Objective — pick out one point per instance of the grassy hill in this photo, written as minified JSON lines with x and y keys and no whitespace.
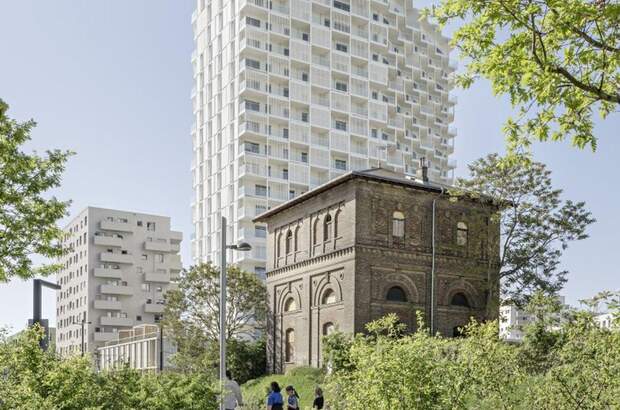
{"x":304,"y":379}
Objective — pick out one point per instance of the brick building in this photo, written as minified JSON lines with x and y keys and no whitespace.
{"x":363,"y":245}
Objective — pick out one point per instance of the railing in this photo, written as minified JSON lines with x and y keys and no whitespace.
{"x":340,"y":102}
{"x":359,"y":126}
{"x":339,"y":142}
{"x":255,"y":169}
{"x":320,"y":77}
{"x":299,"y":133}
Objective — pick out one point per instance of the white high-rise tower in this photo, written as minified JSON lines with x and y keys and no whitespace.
{"x":290,"y":94}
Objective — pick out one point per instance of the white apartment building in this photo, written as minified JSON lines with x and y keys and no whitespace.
{"x":137,"y":348}
{"x":605,"y":321}
{"x":116,"y":272}
{"x":290,"y":94}
{"x":512,"y":321}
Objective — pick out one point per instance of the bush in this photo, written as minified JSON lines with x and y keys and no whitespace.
{"x":33,"y":379}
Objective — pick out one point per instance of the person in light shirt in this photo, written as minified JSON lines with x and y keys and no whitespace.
{"x":232,"y":393}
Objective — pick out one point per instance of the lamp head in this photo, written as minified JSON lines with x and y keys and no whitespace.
{"x":243,"y":247}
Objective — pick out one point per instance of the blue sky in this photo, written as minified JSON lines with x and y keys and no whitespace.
{"x":111,"y":81}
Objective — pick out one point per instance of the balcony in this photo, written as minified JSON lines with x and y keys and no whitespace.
{"x":116,"y":257}
{"x":108,"y":241}
{"x":175,"y":262}
{"x":154,"y":308}
{"x":116,"y":290}
{"x":176,"y":236}
{"x":105,"y":336}
{"x":116,"y":226}
{"x":115,"y":321}
{"x":108,"y":273}
{"x":108,"y":305}
{"x":157,"y":246}
{"x":157,"y":277}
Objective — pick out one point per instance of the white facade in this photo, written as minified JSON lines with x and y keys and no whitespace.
{"x":605,"y":321}
{"x":138,"y":348}
{"x":290,"y":94}
{"x":114,"y":276}
{"x":512,"y":321}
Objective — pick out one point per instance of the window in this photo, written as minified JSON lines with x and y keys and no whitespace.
{"x":252,"y":105}
{"x":159,"y":257}
{"x":315,"y":232}
{"x":340,"y":164}
{"x":396,"y":294}
{"x":461,"y":234}
{"x":341,"y":125}
{"x":139,"y":318}
{"x":341,"y":47}
{"x":150,"y":226}
{"x":304,"y":157}
{"x":305,"y":36}
{"x":342,"y":6}
{"x":327,"y":227}
{"x":144,"y":257}
{"x":304,"y":117}
{"x":279,"y":246}
{"x":252,"y":21}
{"x":252,"y":63}
{"x":289,"y":242}
{"x":398,"y":224}
{"x":295,"y":247}
{"x":304,"y":76}
{"x":146,"y":287}
{"x":260,"y":271}
{"x":373,"y":133}
{"x":261,"y":190}
{"x":459,"y":299}
{"x":289,"y":351}
{"x":328,"y":328}
{"x":341,"y":86}
{"x":329,"y":297}
{"x":290,"y":305}
{"x":260,"y":231}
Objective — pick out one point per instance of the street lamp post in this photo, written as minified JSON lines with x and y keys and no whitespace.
{"x":243,"y":247}
{"x":84,"y":322}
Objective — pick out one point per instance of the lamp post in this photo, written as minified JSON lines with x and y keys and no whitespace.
{"x":161,"y":343}
{"x":242,"y":247}
{"x":84,"y":322}
{"x":37,"y":284}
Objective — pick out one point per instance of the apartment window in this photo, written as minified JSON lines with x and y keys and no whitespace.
{"x":252,"y":21}
{"x":375,"y":57}
{"x":252,"y":63}
{"x":304,"y":157}
{"x":285,"y":174}
{"x":373,"y":133}
{"x":342,"y":6}
{"x":159,"y":258}
{"x":340,"y":164}
{"x":304,"y":117}
{"x":252,"y":105}
{"x":304,"y":76}
{"x":260,"y":231}
{"x":260,"y":271}
{"x":375,"y":16}
{"x":252,"y":147}
{"x":139,"y":223}
{"x":341,"y":47}
{"x":139,"y":318}
{"x":375,"y":95}
{"x":261,"y":190}
{"x":146,"y":287}
{"x":150,"y":226}
{"x":341,"y":86}
{"x":305,"y":36}
{"x":291,"y":194}
{"x":144,"y":257}
{"x":341,"y":125}
{"x":285,"y":133}
{"x":259,"y":209}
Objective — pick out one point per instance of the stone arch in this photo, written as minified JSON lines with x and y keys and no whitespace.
{"x":327,"y":282}
{"x":467,"y":289}
{"x":287,"y":293}
{"x":402,"y":281}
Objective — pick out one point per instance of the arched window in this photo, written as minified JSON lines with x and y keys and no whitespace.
{"x":398,"y":224}
{"x":329,"y":296}
{"x":289,"y":242}
{"x":296,"y":239}
{"x":290,"y":305}
{"x":328,"y":328}
{"x":459,"y":299}
{"x":396,"y":294}
{"x":327,"y":227}
{"x":279,"y":245}
{"x":336,"y":218}
{"x":315,"y":232}
{"x":289,"y":349}
{"x":461,"y":234}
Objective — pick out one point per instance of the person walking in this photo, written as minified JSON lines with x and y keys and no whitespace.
{"x":274,"y":398}
{"x":318,"y":399}
{"x":232,"y":393}
{"x":292,"y":399}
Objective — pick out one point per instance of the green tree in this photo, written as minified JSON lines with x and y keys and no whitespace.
{"x":558,"y":61}
{"x":27,"y":218}
{"x":192,"y":314}
{"x":536,"y":224}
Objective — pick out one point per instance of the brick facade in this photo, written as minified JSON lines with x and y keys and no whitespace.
{"x":344,"y":278}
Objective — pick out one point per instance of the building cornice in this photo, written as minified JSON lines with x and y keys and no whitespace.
{"x":312,"y":261}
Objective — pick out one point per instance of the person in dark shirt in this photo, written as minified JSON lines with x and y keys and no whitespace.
{"x":274,"y":398}
{"x":292,"y":399}
{"x":318,"y":399}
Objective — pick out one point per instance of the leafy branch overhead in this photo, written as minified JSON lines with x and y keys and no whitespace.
{"x":558,"y":61}
{"x":536,"y":224}
{"x":28,"y":215}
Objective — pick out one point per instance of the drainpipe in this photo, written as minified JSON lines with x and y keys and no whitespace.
{"x":433,"y":267}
